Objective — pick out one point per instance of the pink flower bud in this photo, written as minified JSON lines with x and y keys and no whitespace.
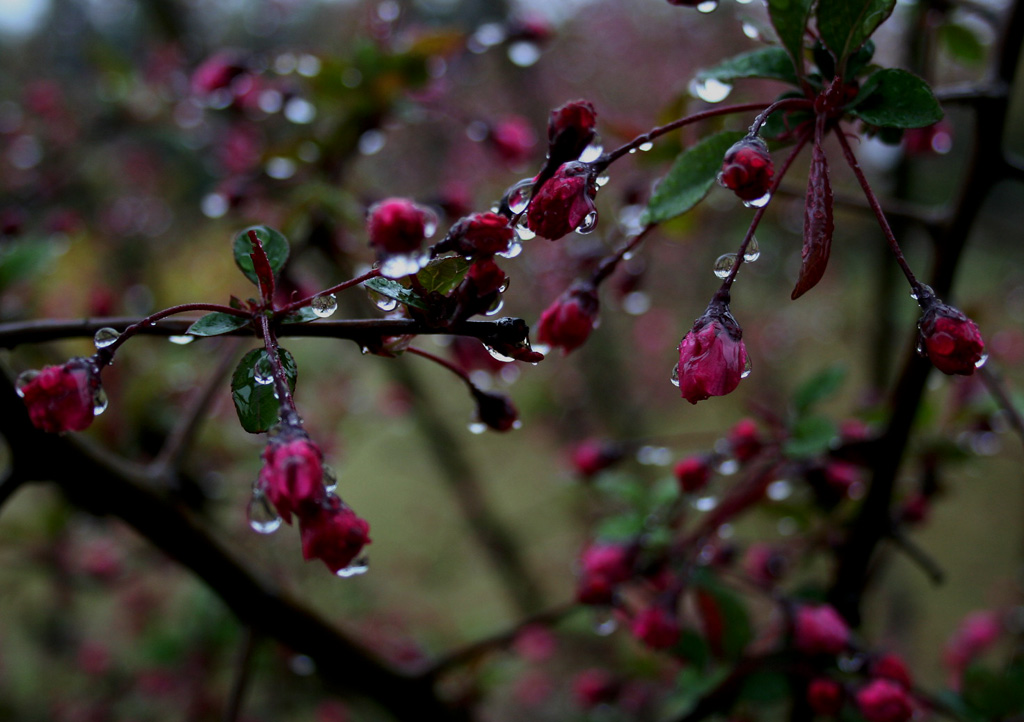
{"x":217,"y":72}
{"x":513,"y":139}
{"x":593,"y":687}
{"x":495,"y":410}
{"x":977,"y":632}
{"x":593,"y":456}
{"x":820,"y":630}
{"x":564,"y":202}
{"x":882,"y":700}
{"x":334,"y":534}
{"x":712,"y":357}
{"x":951,"y":340}
{"x":568,"y":321}
{"x":693,"y":473}
{"x":745,"y":440}
{"x":656,"y":627}
{"x":891,"y":666}
{"x":825,"y":696}
{"x":292,"y":477}
{"x":61,"y":398}
{"x":570,"y":130}
{"x":486,"y":277}
{"x":479,"y":234}
{"x":602,"y":567}
{"x":747,"y":169}
{"x":841,"y":475}
{"x":764,"y":564}
{"x":399,"y":226}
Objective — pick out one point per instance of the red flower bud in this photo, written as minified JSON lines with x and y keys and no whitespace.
{"x":825,"y":696}
{"x":217,"y":72}
{"x":950,"y":339}
{"x":333,"y":533}
{"x":399,"y":226}
{"x":977,"y":632}
{"x":570,"y":130}
{"x":495,"y":410}
{"x":513,"y":139}
{"x":292,"y":477}
{"x":61,"y":398}
{"x":764,"y":564}
{"x":747,"y":169}
{"x":656,"y":627}
{"x":820,"y":630}
{"x":593,"y":456}
{"x":693,"y":473}
{"x":745,"y":440}
{"x":891,"y":666}
{"x":712,"y":357}
{"x":602,"y":567}
{"x":569,"y":320}
{"x":593,"y":687}
{"x":882,"y":700}
{"x":480,"y":233}
{"x":486,"y":276}
{"x":564,"y":203}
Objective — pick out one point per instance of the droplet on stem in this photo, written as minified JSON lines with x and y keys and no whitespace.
{"x":105,"y":337}
{"x":758,"y":202}
{"x":263,"y":519}
{"x":753,"y":250}
{"x":324,"y":306}
{"x":724,"y":265}
{"x":99,"y":402}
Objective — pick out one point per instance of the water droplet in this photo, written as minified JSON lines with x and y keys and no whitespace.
{"x":519,"y":196}
{"x":23,"y":380}
{"x":728,"y":467}
{"x":498,"y":355}
{"x":747,"y":368}
{"x":477,"y":427}
{"x":724,"y":264}
{"x":356,"y":568}
{"x":602,"y":180}
{"x":400,"y":265}
{"x":280,"y":168}
{"x":371,"y":142}
{"x":709,"y":6}
{"x":263,"y":370}
{"x":654,"y":455}
{"x":184,"y":340}
{"x":263,"y":518}
{"x":214,"y":205}
{"x":753,"y":251}
{"x":523,"y":230}
{"x":430,"y":225}
{"x":644,"y":147}
{"x":674,"y":378}
{"x":330,"y":479}
{"x":299,"y":111}
{"x":758,"y":202}
{"x":779,"y":490}
{"x":751,"y":31}
{"x":99,"y":402}
{"x":705,"y":503}
{"x":589,"y":224}
{"x":496,"y":307}
{"x":913,"y":294}
{"x":384,"y":303}
{"x":513,"y":250}
{"x":850,"y":662}
{"x":324,"y":306}
{"x":523,"y":53}
{"x":981,"y":362}
{"x":593,"y":151}
{"x":710,"y":90}
{"x":636,"y":303}
{"x":105,"y":336}
{"x":605,"y":625}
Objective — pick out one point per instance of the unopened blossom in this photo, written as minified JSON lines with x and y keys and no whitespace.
{"x":333,"y":533}
{"x":603,"y":566}
{"x":745,"y":440}
{"x":891,"y":666}
{"x":568,"y":321}
{"x":570,"y":130}
{"x":479,"y":234}
{"x":825,"y":696}
{"x":693,"y":473}
{"x":495,"y":410}
{"x":820,"y":630}
{"x":882,"y":700}
{"x":399,"y":226}
{"x":656,"y":627}
{"x":513,"y":139}
{"x":592,"y":687}
{"x":747,"y":169}
{"x":292,"y":476}
{"x":563,"y":203}
{"x":712,"y":357}
{"x":592,"y":456}
{"x":951,"y":341}
{"x":61,"y":398}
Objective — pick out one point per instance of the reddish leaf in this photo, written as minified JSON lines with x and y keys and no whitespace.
{"x":818,"y":223}
{"x":261,"y":265}
{"x":714,"y":621}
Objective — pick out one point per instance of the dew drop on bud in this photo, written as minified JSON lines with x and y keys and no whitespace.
{"x":23,"y":380}
{"x":753,"y":251}
{"x":105,"y":336}
{"x":593,"y":151}
{"x":263,"y":519}
{"x":324,"y":306}
{"x":724,"y":264}
{"x":981,"y":362}
{"x":589,"y":223}
{"x":602,"y":180}
{"x":513,"y":250}
{"x":913,"y":295}
{"x":330,"y":479}
{"x":523,"y":230}
{"x":758,"y":202}
{"x":519,"y":196}
{"x":355,"y":568}
{"x":710,"y":90}
{"x":99,"y":402}
{"x":477,"y":427}
{"x":263,"y":370}
{"x":709,"y":6}
{"x":747,"y":368}
{"x":430,"y":226}
{"x":674,"y":378}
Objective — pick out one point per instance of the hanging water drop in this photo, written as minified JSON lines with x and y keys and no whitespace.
{"x":23,"y":380}
{"x":355,"y":568}
{"x":751,"y":31}
{"x":758,"y":202}
{"x":589,"y":224}
{"x":330,"y":479}
{"x":747,"y":368}
{"x":181,"y":340}
{"x":602,"y":180}
{"x":477,"y":427}
{"x":981,"y":362}
{"x":99,"y":402}
{"x":519,"y":195}
{"x":263,"y":519}
{"x":753,"y":251}
{"x":263,"y":370}
{"x":401,"y":265}
{"x":710,"y":90}
{"x":674,"y":377}
{"x":496,"y":307}
{"x":384,"y":303}
{"x":105,"y":336}
{"x":728,"y":467}
{"x":498,"y":355}
{"x":593,"y":151}
{"x":523,"y":229}
{"x":324,"y":306}
{"x":644,"y":147}
{"x":513,"y":250}
{"x":605,"y":625}
{"x":709,"y":6}
{"x":724,"y":265}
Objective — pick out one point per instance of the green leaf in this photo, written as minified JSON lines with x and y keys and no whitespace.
{"x":772,"y":63}
{"x":811,"y":436}
{"x":734,"y":630}
{"x":844,"y":25}
{"x":255,"y":403}
{"x":274,"y":244}
{"x":765,"y":686}
{"x":442,"y":275}
{"x":789,"y":17}
{"x":303,"y":315}
{"x":689,"y":178}
{"x":624,"y":527}
{"x":962,"y":43}
{"x":21,"y":260}
{"x":690,"y":686}
{"x":216,"y":323}
{"x":395,"y":290}
{"x":819,"y":387}
{"x":893,"y":98}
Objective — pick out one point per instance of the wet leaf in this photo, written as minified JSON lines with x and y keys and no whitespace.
{"x":395,"y":290}
{"x":689,"y":178}
{"x":893,"y":98}
{"x":275,"y":245}
{"x":962,"y":43}
{"x":772,"y":63}
{"x":844,"y":25}
{"x":789,"y":17}
{"x":819,"y":387}
{"x":216,"y":323}
{"x":810,"y":436}
{"x":442,"y":275}
{"x":818,"y":224}
{"x":255,"y":403}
